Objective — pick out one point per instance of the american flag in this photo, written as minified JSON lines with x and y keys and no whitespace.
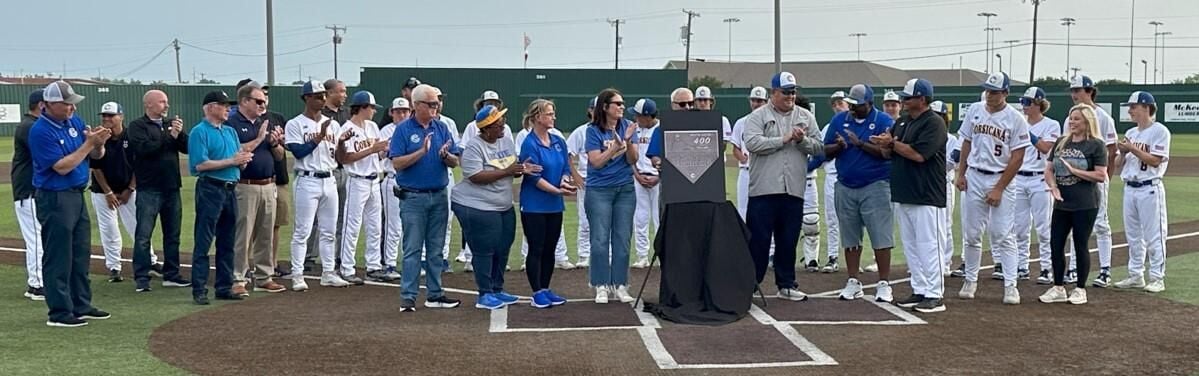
{"x":1159,"y":147}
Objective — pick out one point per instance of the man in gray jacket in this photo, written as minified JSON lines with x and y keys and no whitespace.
{"x":779,"y":138}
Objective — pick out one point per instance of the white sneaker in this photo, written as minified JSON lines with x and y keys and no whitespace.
{"x":873,"y":267}
{"x":523,"y":264}
{"x":1055,"y":294}
{"x":564,"y":265}
{"x":642,"y":263}
{"x":882,"y":293}
{"x":622,"y":293}
{"x":331,"y":279}
{"x":1131,"y":283}
{"x":967,"y":291}
{"x":601,"y":295}
{"x":584,"y":262}
{"x":1011,"y":295}
{"x":792,"y":295}
{"x":298,"y":284}
{"x":468,"y":267}
{"x":852,"y":290}
{"x":1078,"y":296}
{"x":1156,"y":286}
{"x":462,"y":258}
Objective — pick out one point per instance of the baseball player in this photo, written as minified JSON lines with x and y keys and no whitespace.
{"x":647,"y":189}
{"x":951,"y":162}
{"x":705,"y":101}
{"x":310,"y":138}
{"x":445,"y":250}
{"x":1033,"y":202}
{"x":114,"y":191}
{"x":757,"y":98}
{"x":994,"y":137}
{"x":891,"y":104}
{"x":359,"y":145}
{"x":960,"y":272}
{"x":1083,"y":91}
{"x":838,"y":105}
{"x":23,"y":201}
{"x":400,"y":110}
{"x":576,"y":145}
{"x":1145,"y":154}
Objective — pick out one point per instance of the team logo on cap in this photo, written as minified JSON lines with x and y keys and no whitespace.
{"x":414,"y":138}
{"x":786,"y":78}
{"x":995,"y":80}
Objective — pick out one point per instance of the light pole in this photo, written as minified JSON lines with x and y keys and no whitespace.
{"x":1164,"y":34}
{"x":991,"y":39}
{"x":1000,"y":56}
{"x":687,"y":40}
{"x":731,"y":21}
{"x":859,"y":37}
{"x":1068,"y":22}
{"x":988,"y":15}
{"x":1155,"y":24}
{"x":1011,"y":56}
{"x":1132,"y":16}
{"x":616,"y":46}
{"x":1145,"y":75}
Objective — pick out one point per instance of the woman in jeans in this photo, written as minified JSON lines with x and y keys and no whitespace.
{"x":1076,"y":164}
{"x":610,"y":199}
{"x":482,"y":201}
{"x":541,"y":203}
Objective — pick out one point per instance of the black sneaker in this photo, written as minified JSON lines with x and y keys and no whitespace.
{"x":1023,"y":275}
{"x":408,"y":305}
{"x":911,"y":301}
{"x":200,"y":299}
{"x":143,"y":286}
{"x":71,"y":322}
{"x":156,"y":270}
{"x":442,"y":302}
{"x":35,"y":293}
{"x":813,"y":266}
{"x":960,"y":272}
{"x":353,"y":279}
{"x":930,"y":305}
{"x":95,"y":314}
{"x":997,"y":273}
{"x":176,"y":282}
{"x":1104,"y":279}
{"x":114,"y":276}
{"x":280,"y":273}
{"x":378,"y":275}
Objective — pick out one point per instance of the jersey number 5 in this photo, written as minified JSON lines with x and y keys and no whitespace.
{"x":998,"y":150}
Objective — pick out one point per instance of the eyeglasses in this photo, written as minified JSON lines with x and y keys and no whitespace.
{"x":787,"y":92}
{"x":685,"y":104}
{"x":260,"y":102}
{"x":431,"y":104}
{"x":617,"y":103}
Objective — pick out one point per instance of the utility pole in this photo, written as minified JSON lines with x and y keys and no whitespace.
{"x":616,"y":22}
{"x":1068,"y":22}
{"x":1000,"y":67}
{"x":778,"y":39}
{"x":687,"y":41}
{"x":1032,"y":69}
{"x":1075,"y":69}
{"x":1155,"y":24}
{"x":1132,"y":16}
{"x":270,"y":43}
{"x":1011,"y":57}
{"x":731,"y":21}
{"x":178,"y":71}
{"x":1164,"y":34}
{"x":991,"y":39}
{"x":859,"y":38}
{"x":988,"y":15}
{"x":337,"y":30}
{"x":1145,"y":76}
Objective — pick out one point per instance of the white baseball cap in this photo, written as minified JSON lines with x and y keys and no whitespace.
{"x":890,"y":96}
{"x":490,"y":96}
{"x":757,"y":92}
{"x":837,"y":95}
{"x":111,"y":108}
{"x":400,"y":102}
{"x":703,"y":92}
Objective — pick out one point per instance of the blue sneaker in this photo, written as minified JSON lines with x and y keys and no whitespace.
{"x":489,"y":302}
{"x":541,"y":299}
{"x":505,"y":297}
{"x":554,"y":298}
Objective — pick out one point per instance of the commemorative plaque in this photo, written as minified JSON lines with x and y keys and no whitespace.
{"x":693,"y":149}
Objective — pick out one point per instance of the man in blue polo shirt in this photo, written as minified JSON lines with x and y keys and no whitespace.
{"x":421,"y":150}
{"x":863,"y":190}
{"x":215,"y":156}
{"x":60,"y":145}
{"x":256,"y":190}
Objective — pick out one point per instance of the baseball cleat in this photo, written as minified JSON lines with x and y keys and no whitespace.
{"x":831,"y":266}
{"x":930,"y":305}
{"x":997,"y":273}
{"x":967,"y":291}
{"x":1045,"y":278}
{"x":813,"y":266}
{"x":959,"y":272}
{"x":330,"y":279}
{"x":1104,"y":278}
{"x":910,"y":301}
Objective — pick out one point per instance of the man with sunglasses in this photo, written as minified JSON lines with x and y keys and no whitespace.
{"x":1083,"y":91}
{"x":757,"y":99}
{"x":256,"y":191}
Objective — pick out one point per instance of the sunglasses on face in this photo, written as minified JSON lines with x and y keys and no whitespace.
{"x":621,"y":104}
{"x":260,"y":102}
{"x":1025,"y":102}
{"x":431,"y":104}
{"x":787,"y":92}
{"x":687,"y":104}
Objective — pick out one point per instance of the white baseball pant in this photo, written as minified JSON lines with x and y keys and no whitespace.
{"x":583,"y":241}
{"x":363,"y":209}
{"x":647,"y":210}
{"x":314,"y":197}
{"x":922,"y":235}
{"x":1145,"y":229}
{"x":947,"y":248}
{"x":31,"y":230}
{"x":742,"y":191}
{"x":832,"y":228}
{"x":978,"y":216}
{"x":810,"y":229}
{"x":559,"y":251}
{"x":395,"y":229}
{"x":110,"y":232}
{"x":1033,"y":207}
{"x":1103,"y":231}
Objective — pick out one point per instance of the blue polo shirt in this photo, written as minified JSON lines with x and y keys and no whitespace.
{"x":553,"y":160}
{"x":855,"y":167}
{"x":50,"y":141}
{"x":428,"y":173}
{"x":262,"y":166}
{"x":209,"y":143}
{"x":654,"y":149}
{"x":616,"y":172}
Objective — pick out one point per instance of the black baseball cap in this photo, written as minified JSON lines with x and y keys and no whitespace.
{"x":412,"y":83}
{"x":250,"y":81}
{"x":36,"y":97}
{"x":217,"y":97}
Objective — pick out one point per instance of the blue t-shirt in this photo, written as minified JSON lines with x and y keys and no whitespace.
{"x":855,"y":167}
{"x":428,"y":172}
{"x":654,"y":149}
{"x":50,"y":141}
{"x":206,"y":142}
{"x":553,"y":161}
{"x":616,"y":172}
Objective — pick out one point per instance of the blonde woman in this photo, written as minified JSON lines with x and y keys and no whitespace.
{"x":541,"y":203}
{"x":1077,"y":164}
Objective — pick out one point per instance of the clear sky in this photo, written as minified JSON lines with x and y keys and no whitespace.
{"x":225,"y":39}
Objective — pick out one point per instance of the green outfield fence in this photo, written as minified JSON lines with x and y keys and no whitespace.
{"x":571,"y":89}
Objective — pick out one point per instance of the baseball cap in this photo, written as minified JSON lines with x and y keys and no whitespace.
{"x":488,"y":95}
{"x":938,"y":107}
{"x":890,"y":96}
{"x":60,"y":91}
{"x":757,"y":92}
{"x":1034,"y":93}
{"x":35,"y":97}
{"x":400,"y":102}
{"x":488,"y":115}
{"x":837,"y":95}
{"x":1080,"y":81}
{"x":592,"y":103}
{"x":644,"y":107}
{"x":997,"y":81}
{"x":1140,"y":97}
{"x":111,"y":108}
{"x":312,"y":87}
{"x":216,"y":97}
{"x":703,"y":92}
{"x":248,"y":81}
{"x":783,"y":80}
{"x":411,"y":83}
{"x":858,"y":94}
{"x":917,"y":87}
{"x":362,"y":98}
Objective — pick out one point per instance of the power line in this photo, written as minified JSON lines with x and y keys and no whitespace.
{"x":147,"y":63}
{"x":322,"y":44}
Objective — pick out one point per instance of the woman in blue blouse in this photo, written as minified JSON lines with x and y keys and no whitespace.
{"x":610,"y":200}
{"x":541,"y":203}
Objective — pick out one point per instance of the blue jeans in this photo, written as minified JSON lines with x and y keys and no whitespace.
{"x":490,"y":235}
{"x":153,"y":205}
{"x":423,"y":216}
{"x":610,"y":213}
{"x":216,"y":217}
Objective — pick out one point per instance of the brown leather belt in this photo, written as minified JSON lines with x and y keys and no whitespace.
{"x":266,"y":181}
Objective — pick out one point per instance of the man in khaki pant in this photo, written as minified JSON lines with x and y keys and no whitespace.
{"x":256,"y":191}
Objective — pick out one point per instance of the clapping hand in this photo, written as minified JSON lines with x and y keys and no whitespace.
{"x":176,"y":126}
{"x":1125,"y":146}
{"x":346,"y":136}
{"x":97,"y":136}
{"x":242,"y":158}
{"x":567,"y":188}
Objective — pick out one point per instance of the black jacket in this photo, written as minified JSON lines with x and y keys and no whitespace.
{"x":155,"y":155}
{"x":22,"y":161}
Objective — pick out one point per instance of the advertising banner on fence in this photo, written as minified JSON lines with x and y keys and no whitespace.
{"x":1185,"y":112}
{"x":10,"y":113}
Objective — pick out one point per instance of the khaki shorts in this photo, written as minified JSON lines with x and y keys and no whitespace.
{"x":283,"y":206}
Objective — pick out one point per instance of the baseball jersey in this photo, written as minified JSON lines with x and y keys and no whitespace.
{"x":385,"y":134}
{"x":363,"y":137}
{"x":736,"y":139}
{"x":453,"y":126}
{"x":728,"y":130}
{"x":302,"y":130}
{"x":993,"y":136}
{"x":1107,"y":126}
{"x":1047,"y":130}
{"x":1156,"y":140}
{"x":829,"y":168}
{"x":520,"y":137}
{"x":951,"y":145}
{"x":644,"y":165}
{"x":576,"y":144}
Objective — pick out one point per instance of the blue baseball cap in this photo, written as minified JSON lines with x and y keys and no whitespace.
{"x":783,"y":80}
{"x":644,"y":107}
{"x":111,"y":108}
{"x":938,"y":107}
{"x":312,"y":87}
{"x":1140,"y":97}
{"x":859,"y":94}
{"x":997,"y":81}
{"x":1080,"y":81}
{"x":36,"y":97}
{"x":488,"y":115}
{"x":1031,"y":94}
{"x":917,"y":87}
{"x":363,"y":98}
